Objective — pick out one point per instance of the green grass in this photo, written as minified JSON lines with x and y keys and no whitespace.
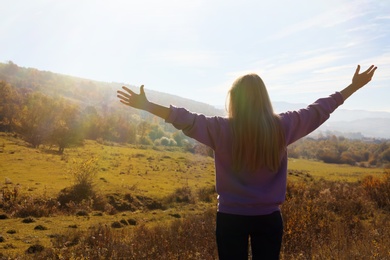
{"x":331,"y":172}
{"x":154,"y":173}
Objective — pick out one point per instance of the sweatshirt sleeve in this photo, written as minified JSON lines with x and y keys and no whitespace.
{"x":298,"y":124}
{"x":200,"y":127}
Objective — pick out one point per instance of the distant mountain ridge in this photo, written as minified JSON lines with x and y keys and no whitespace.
{"x":357,"y":123}
{"x":349,"y":123}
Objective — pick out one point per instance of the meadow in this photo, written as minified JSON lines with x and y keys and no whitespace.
{"x":159,"y":203}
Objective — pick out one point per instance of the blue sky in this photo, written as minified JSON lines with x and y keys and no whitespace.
{"x":303,"y":49}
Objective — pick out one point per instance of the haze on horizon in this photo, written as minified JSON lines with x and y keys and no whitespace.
{"x":302,"y":49}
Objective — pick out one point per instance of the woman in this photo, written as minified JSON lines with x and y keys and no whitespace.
{"x":250,"y":148}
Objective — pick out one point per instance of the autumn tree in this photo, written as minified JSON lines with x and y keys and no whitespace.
{"x":179,"y":137}
{"x":66,"y":128}
{"x":126,"y":130}
{"x":36,"y":119}
{"x":91,"y":123}
{"x":10,"y":102}
{"x":155,"y":132}
{"x":142,"y":129}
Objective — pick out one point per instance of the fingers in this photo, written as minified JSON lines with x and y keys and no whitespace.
{"x":123,"y":94}
{"x":369,"y":69}
{"x":142,"y":92}
{"x":373,"y":69}
{"x":128,"y":90}
{"x":357,"y":70}
{"x":127,"y":96}
{"x":124,"y":102}
{"x":370,"y":72}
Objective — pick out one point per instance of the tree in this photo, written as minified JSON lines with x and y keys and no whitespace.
{"x":10,"y":103}
{"x":91,"y":123}
{"x":66,"y":128}
{"x":179,"y":137}
{"x":142,"y":128}
{"x":125,"y":130}
{"x":385,"y":155}
{"x":36,"y":119}
{"x":155,"y":132}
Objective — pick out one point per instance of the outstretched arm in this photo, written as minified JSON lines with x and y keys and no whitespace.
{"x":139,"y":101}
{"x":358,"y":81}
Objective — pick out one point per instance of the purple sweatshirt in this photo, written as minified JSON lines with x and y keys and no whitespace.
{"x":251,"y":193}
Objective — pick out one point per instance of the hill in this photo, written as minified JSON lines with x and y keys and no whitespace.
{"x":86,"y":92}
{"x":102,"y":95}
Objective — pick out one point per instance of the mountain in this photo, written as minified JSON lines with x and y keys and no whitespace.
{"x":368,"y":127}
{"x":102,"y":95}
{"x":349,"y":123}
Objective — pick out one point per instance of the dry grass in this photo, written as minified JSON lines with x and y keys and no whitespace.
{"x":334,"y":220}
{"x":323,"y":220}
{"x":161,"y":205}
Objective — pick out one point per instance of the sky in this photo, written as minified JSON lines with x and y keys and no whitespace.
{"x":302,"y":49}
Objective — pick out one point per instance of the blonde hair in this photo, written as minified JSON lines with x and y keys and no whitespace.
{"x":258,"y":138}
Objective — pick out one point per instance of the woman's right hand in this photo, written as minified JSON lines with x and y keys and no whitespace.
{"x":130,"y":98}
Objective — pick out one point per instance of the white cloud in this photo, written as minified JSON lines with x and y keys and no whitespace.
{"x":331,"y":18}
{"x":193,"y":58}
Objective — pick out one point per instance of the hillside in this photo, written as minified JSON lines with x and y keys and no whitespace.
{"x":102,"y":95}
{"x":87,"y":92}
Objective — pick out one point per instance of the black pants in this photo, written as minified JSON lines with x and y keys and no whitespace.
{"x":233,"y":232}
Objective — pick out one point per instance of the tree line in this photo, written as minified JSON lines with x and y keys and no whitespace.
{"x":340,"y":150}
{"x":40,"y":119}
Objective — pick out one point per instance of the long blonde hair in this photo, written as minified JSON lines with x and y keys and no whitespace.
{"x":258,"y":137}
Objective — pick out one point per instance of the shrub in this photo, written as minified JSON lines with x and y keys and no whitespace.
{"x":181,"y":195}
{"x":378,"y":189}
{"x":83,"y":189}
{"x":35,"y":248}
{"x":207,"y":194}
{"x":145,"y":141}
{"x":34,"y":207}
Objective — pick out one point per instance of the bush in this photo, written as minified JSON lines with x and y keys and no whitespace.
{"x":378,"y":189}
{"x":83,"y":191}
{"x":181,"y":195}
{"x":145,"y":141}
{"x":207,"y":194}
{"x":34,"y":207}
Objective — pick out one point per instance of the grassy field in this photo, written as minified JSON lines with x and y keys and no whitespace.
{"x":331,"y":172}
{"x":152,"y":173}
